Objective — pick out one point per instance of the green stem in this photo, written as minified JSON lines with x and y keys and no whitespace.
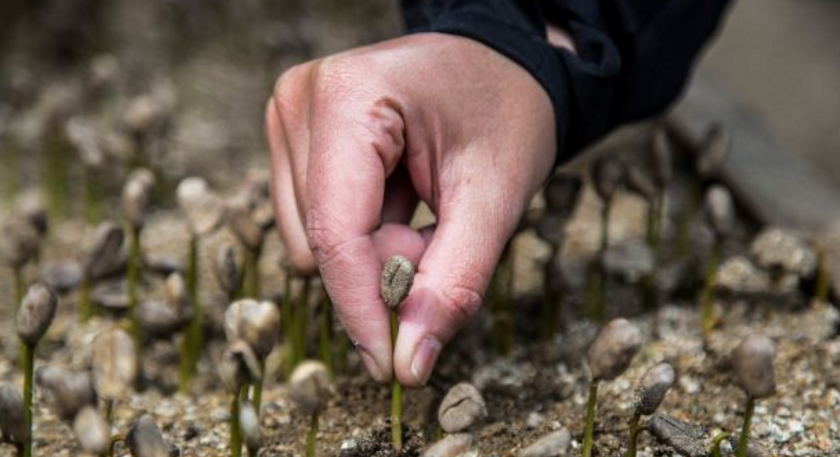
{"x":684,"y":225}
{"x":256,"y":393}
{"x":288,"y":323}
{"x":590,"y":419}
{"x":192,"y":342}
{"x":29,"y":369}
{"x":133,"y":279}
{"x":716,"y":443}
{"x":501,"y":291}
{"x":708,"y":312}
{"x":600,"y":309}
{"x":235,"y":433}
{"x":85,"y":308}
{"x":821,"y":289}
{"x":396,"y":394}
{"x":744,"y":442}
{"x":550,"y":306}
{"x":253,"y":283}
{"x":92,"y":196}
{"x":109,"y":411}
{"x":325,"y":333}
{"x":634,"y":434}
{"x":312,"y":435}
{"x":19,"y":284}
{"x":55,"y":178}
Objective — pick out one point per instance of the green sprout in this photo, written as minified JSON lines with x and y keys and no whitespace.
{"x":238,"y":368}
{"x":325,"y":335}
{"x":752,"y":362}
{"x":720,"y":211}
{"x":309,"y":387}
{"x":607,"y":174}
{"x":136,"y":202}
{"x":650,"y":392}
{"x":639,"y":183}
{"x":114,"y":367}
{"x":501,"y":289}
{"x":258,"y":325}
{"x":34,"y":317}
{"x":608,"y":357}
{"x":250,"y":216}
{"x":395,"y":285}
{"x":204,"y":211}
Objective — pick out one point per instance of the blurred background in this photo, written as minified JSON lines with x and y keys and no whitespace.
{"x":182,"y":84}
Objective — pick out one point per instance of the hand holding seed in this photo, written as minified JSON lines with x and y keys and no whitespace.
{"x":357,"y":139}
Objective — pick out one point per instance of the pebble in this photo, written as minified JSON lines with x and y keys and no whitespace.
{"x":454,"y":445}
{"x":535,"y":419}
{"x":461,"y":408}
{"x":552,"y":445}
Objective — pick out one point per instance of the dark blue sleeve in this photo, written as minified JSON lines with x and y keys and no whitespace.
{"x":633,"y":56}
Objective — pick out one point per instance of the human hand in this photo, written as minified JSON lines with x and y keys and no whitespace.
{"x":357,"y":138}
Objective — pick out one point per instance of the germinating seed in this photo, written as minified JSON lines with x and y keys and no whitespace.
{"x":203,"y":208}
{"x":613,"y":350}
{"x":12,"y":421}
{"x":162,"y":320}
{"x":397,"y":279}
{"x":652,"y":388}
{"x":607,"y":173}
{"x":137,"y":196}
{"x":114,"y":364}
{"x":145,"y":439}
{"x":66,"y":392}
{"x":257,"y":323}
{"x":19,"y":242}
{"x":752,"y":362}
{"x":36,"y":313}
{"x":91,"y":430}
{"x":462,"y":408}
{"x":227,"y":269}
{"x":720,"y":210}
{"x":309,"y":386}
{"x":239,"y":366}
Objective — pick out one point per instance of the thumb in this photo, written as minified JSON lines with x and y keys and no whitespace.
{"x":451,"y":280}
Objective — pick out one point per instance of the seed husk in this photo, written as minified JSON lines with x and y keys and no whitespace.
{"x":613,"y":350}
{"x":720,"y":210}
{"x":249,"y":424}
{"x":462,"y":408}
{"x":12,"y":422}
{"x":105,"y":254}
{"x":203,"y":208}
{"x":145,"y":439}
{"x":256,"y":323}
{"x":309,"y":386}
{"x":114,"y":363}
{"x":36,"y":313}
{"x":91,"y":430}
{"x":239,"y":366}
{"x":607,"y":173}
{"x":752,"y":362}
{"x":31,"y":208}
{"x":397,"y":279}
{"x":652,"y":388}
{"x":241,"y":222}
{"x":227,"y":269}
{"x":19,"y":242}
{"x":562,"y":194}
{"x":67,"y":392}
{"x":137,"y":197}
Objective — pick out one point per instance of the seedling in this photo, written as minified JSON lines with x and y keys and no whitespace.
{"x":752,"y":362}
{"x":12,"y":419}
{"x":238,"y":368}
{"x":34,"y":317}
{"x":258,"y":325}
{"x":608,"y":357}
{"x":92,"y":432}
{"x":309,"y":388}
{"x":663,"y":172}
{"x":204,"y":211}
{"x":562,"y":194}
{"x":650,"y":392}
{"x":711,"y":157}
{"x":639,"y":183}
{"x":720,"y":211}
{"x":394,"y":286}
{"x":250,"y":216}
{"x":136,"y":201}
{"x":103,"y":257}
{"x":145,"y":439}
{"x":607,"y":174}
{"x":115,"y":367}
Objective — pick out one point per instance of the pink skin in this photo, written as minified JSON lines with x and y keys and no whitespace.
{"x":358,"y":138}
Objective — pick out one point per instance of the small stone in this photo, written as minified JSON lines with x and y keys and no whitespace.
{"x":555,"y":444}
{"x":111,"y":295}
{"x":652,"y":388}
{"x":629,"y":261}
{"x":613,"y":350}
{"x":461,"y":409}
{"x":145,"y":439}
{"x":783,"y":252}
{"x":36,"y":313}
{"x":309,"y":386}
{"x":738,"y":274}
{"x":62,"y":276}
{"x":92,"y":432}
{"x":753,"y":449}
{"x":534,"y":419}
{"x":67,"y":392}
{"x":752,"y":362}
{"x":161,"y":319}
{"x":450,"y":446}
{"x":684,"y":438}
{"x":397,"y":279}
{"x":12,"y":421}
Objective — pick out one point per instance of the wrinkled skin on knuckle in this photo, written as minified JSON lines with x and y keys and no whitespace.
{"x":460,"y":301}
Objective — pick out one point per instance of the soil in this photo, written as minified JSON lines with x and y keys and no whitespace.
{"x":538,"y":387}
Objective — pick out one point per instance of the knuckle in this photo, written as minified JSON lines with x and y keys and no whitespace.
{"x":462,"y":300}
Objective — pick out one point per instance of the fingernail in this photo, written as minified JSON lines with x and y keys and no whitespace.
{"x":370,"y":364}
{"x":424,"y":359}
